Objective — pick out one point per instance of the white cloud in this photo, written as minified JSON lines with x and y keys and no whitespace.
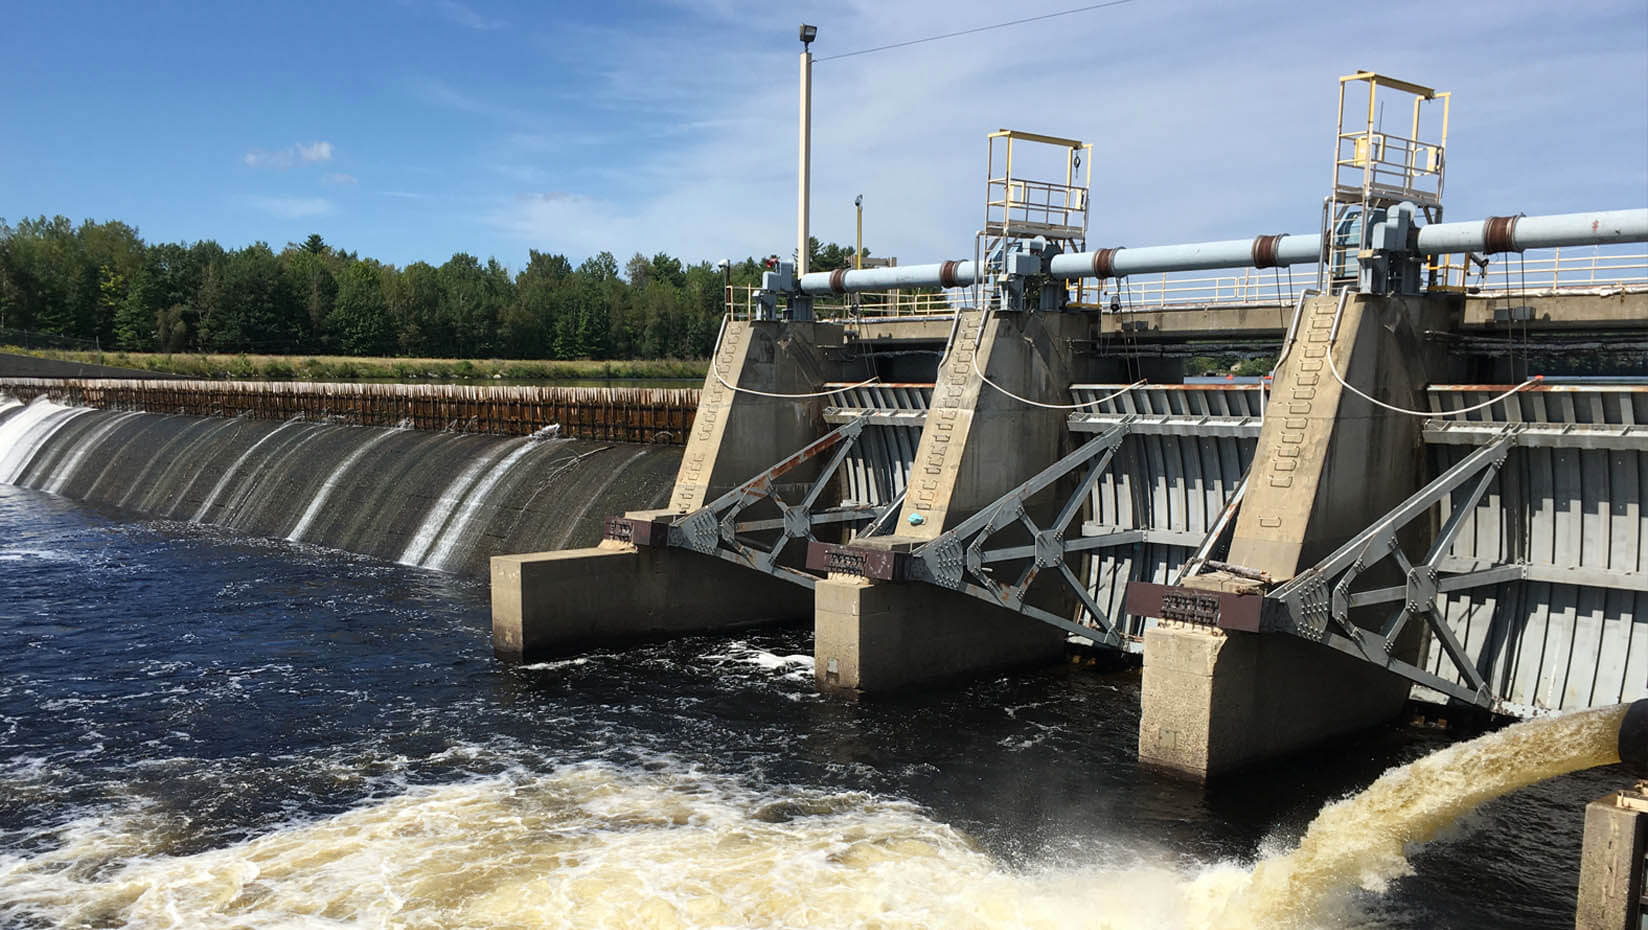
{"x":1207,"y":122}
{"x":259,"y":158}
{"x":468,"y":18}
{"x":339,"y":178}
{"x":282,"y":159}
{"x":291,"y":207}
{"x":439,"y":93}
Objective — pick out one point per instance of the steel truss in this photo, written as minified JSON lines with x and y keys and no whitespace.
{"x":1316,"y":604}
{"x":958,"y":559}
{"x":720,"y":529}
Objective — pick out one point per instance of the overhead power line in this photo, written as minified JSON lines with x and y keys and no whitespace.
{"x":968,"y":32}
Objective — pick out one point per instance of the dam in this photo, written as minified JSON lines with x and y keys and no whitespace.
{"x":1436,"y":493}
{"x":1426,"y":499}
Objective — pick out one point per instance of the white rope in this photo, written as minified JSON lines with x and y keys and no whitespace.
{"x":715,"y":369}
{"x":743,"y":390}
{"x":1037,"y":403}
{"x":1425,"y":413}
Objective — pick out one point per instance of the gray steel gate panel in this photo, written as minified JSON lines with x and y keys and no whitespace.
{"x":1567,"y":507}
{"x":1178,"y":467}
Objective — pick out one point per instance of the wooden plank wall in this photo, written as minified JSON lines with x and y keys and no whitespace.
{"x":625,"y":414}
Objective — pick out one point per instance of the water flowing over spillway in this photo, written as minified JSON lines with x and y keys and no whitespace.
{"x":437,"y":500}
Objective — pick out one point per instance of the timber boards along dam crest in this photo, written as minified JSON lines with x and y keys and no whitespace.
{"x":446,"y":501}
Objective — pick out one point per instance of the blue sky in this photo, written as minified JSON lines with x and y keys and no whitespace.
{"x":411,"y":129}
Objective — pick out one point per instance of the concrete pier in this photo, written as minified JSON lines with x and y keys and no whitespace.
{"x":1328,"y":462}
{"x":1611,"y":864}
{"x":545,"y":603}
{"x":1214,"y":701}
{"x":977,"y":444}
{"x":878,"y":636}
{"x":552,"y":603}
{"x":736,"y":435}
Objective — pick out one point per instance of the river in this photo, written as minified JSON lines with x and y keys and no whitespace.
{"x":200,"y":729}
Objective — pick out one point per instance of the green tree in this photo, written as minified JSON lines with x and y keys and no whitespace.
{"x":360,"y":322}
{"x":249,"y":306}
{"x":136,"y":321}
{"x":310,"y":276}
{"x":416,"y":300}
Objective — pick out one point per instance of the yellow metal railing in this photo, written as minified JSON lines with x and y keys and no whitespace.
{"x":1019,"y":206}
{"x":1374,"y":169}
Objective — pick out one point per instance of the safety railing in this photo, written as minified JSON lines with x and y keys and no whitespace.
{"x":1017,"y":204}
{"x":1251,"y":287}
{"x":1396,"y":167}
{"x":742,"y":303}
{"x":1581,"y":269}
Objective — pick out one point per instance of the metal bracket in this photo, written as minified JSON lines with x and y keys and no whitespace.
{"x":1317,"y":603}
{"x":959,"y":560}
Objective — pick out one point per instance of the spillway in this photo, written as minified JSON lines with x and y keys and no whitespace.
{"x":438,"y":500}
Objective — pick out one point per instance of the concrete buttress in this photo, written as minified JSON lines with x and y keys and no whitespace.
{"x":1328,"y":463}
{"x":977,"y":444}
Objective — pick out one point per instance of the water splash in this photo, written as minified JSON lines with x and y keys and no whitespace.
{"x":25,"y":432}
{"x":331,"y":484}
{"x":441,"y":512}
{"x":600,"y":846}
{"x":1361,"y":841}
{"x":442,"y":557}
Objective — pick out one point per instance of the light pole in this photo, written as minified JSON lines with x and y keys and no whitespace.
{"x":805,"y":167}
{"x":858,"y":253}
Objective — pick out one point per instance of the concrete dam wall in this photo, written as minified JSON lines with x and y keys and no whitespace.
{"x":447,"y":501}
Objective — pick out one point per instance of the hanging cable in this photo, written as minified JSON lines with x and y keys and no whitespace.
{"x":976,"y":29}
{"x":1334,"y":368}
{"x":715,"y":369}
{"x":1036,"y":403}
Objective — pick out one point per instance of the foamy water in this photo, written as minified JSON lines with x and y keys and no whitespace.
{"x":601,"y":846}
{"x":199,"y":730}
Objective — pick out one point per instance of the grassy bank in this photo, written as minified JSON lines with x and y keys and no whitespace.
{"x":346,"y":368}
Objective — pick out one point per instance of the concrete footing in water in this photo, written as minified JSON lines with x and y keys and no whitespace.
{"x":978,"y":444}
{"x":873,"y":637}
{"x":552,"y":603}
{"x":1611,"y":865}
{"x":1214,"y":702}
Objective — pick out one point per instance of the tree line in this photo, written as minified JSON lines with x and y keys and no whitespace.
{"x":102,"y":282}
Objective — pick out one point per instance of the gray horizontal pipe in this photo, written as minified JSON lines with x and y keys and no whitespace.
{"x":1495,"y":234}
{"x":1537,"y":232}
{"x":883,"y":279}
{"x":1197,"y":256}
